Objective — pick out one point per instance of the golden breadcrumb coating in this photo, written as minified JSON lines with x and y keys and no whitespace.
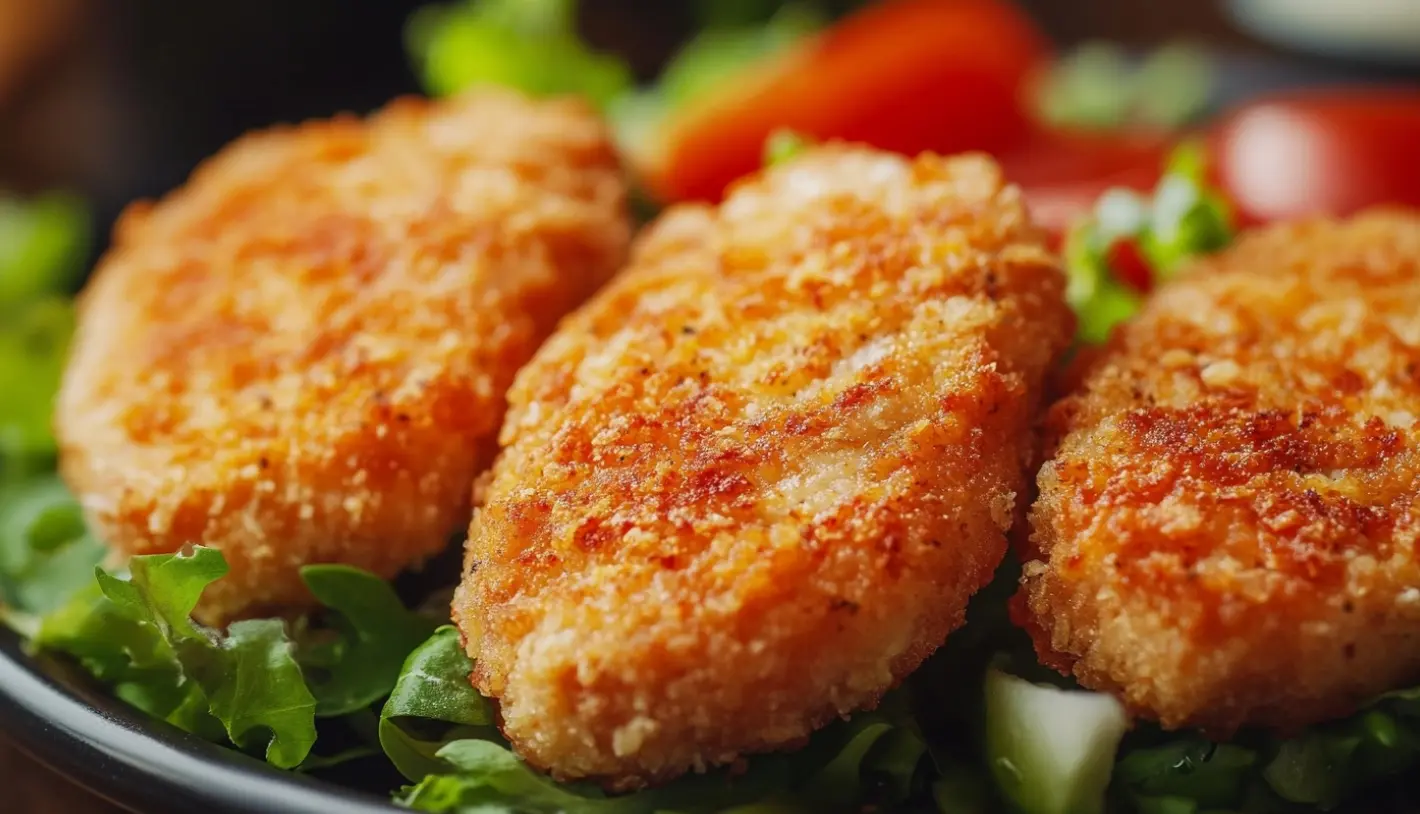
{"x":301,"y":356}
{"x":1228,"y":526}
{"x":753,"y":483}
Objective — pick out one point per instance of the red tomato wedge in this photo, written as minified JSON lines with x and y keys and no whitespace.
{"x":905,"y":75}
{"x":1062,"y":173}
{"x":1331,"y":151}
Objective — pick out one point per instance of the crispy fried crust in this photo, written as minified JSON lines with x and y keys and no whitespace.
{"x":754,"y":482}
{"x":1228,"y":525}
{"x":301,"y":356}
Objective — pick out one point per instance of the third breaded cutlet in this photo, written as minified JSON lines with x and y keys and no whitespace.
{"x":1227,"y":531}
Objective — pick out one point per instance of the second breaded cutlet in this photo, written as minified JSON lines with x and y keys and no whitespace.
{"x":753,"y":483}
{"x":1227,"y":528}
{"x":301,"y":355}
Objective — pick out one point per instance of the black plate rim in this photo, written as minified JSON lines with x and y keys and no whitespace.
{"x":139,"y":763}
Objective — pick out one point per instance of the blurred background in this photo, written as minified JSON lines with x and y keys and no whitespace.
{"x":118,"y":101}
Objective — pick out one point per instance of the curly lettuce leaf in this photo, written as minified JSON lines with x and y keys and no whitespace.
{"x":360,"y":658}
{"x":489,"y":775}
{"x":253,"y":685}
{"x":130,"y":656}
{"x":441,"y":734}
{"x":137,"y":634}
{"x":261,"y":696}
{"x":530,"y":45}
{"x":249,"y":676}
{"x":835,"y":772}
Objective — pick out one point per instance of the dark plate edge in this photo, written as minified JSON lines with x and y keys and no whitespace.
{"x":139,"y":763}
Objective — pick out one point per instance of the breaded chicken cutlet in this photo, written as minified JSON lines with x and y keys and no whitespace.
{"x":754,"y":482}
{"x":301,"y":356}
{"x":1227,"y":530}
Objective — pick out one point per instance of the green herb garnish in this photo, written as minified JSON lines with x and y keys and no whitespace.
{"x":1184,"y":217}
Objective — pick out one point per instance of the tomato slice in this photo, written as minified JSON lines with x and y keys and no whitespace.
{"x":1063,"y":173}
{"x":905,"y":75}
{"x":1330,"y":152}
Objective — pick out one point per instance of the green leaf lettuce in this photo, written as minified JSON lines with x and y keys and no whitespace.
{"x":372,"y":633}
{"x":530,"y":45}
{"x":441,"y":733}
{"x":137,"y":634}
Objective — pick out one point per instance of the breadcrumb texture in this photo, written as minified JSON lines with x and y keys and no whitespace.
{"x":753,"y":483}
{"x":1227,"y":531}
{"x":301,"y":356}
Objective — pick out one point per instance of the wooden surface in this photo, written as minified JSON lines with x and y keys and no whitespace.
{"x":29,"y":788}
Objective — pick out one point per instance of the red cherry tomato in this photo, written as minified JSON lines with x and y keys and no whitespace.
{"x":904,"y":75}
{"x":1127,"y":262}
{"x":1329,"y":152}
{"x":1062,"y":174}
